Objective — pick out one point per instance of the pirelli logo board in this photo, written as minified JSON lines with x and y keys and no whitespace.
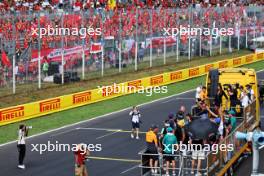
{"x":12,"y":114}
{"x":82,"y":97}
{"x":176,"y":75}
{"x":49,"y":105}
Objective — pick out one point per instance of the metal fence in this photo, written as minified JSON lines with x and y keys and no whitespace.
{"x":212,"y":162}
{"x":100,"y":43}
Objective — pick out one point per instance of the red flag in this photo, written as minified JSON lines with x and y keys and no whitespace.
{"x":5,"y":60}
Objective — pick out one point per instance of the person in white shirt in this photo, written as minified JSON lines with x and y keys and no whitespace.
{"x":244,"y":98}
{"x":250,"y":93}
{"x":21,"y":145}
{"x":197,"y":94}
{"x":135,"y":119}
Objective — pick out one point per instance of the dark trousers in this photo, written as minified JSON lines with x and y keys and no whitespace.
{"x":22,"y":152}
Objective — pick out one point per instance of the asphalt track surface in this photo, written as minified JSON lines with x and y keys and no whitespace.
{"x":119,"y":155}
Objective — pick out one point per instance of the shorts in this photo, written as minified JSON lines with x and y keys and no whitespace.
{"x":198,"y":155}
{"x":169,"y":158}
{"x":135,"y":125}
{"x":153,"y":154}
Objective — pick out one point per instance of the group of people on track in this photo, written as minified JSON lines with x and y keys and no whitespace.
{"x":223,"y":110}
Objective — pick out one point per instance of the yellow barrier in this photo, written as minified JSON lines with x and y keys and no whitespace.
{"x":44,"y":107}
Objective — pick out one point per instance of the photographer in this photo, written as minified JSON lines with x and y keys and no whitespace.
{"x":21,"y":144}
{"x":80,"y":156}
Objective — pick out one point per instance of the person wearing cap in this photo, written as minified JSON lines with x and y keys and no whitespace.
{"x":163,"y":132}
{"x":135,"y":119}
{"x":80,"y":156}
{"x":152,"y":148}
{"x":232,"y":119}
{"x":169,"y":142}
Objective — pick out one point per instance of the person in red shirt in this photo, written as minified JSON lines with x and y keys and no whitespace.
{"x":80,"y":156}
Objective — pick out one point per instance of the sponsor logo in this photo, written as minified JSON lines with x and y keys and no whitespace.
{"x":11,"y":113}
{"x":81,"y":97}
{"x":194,"y":72}
{"x":49,"y":105}
{"x":110,"y":90}
{"x":134,"y":85}
{"x":249,"y":58}
{"x":208,"y":67}
{"x":156,"y":80}
{"x":223,"y":64}
{"x":237,"y":61}
{"x":260,"y":56}
{"x":176,"y":75}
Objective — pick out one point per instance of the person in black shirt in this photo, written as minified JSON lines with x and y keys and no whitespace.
{"x":219,"y":96}
{"x":232,"y":97}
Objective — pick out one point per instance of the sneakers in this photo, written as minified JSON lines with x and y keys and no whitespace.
{"x":198,"y":174}
{"x":21,"y":166}
{"x":155,"y":171}
{"x":173,"y":173}
{"x":152,"y":171}
{"x":132,"y":136}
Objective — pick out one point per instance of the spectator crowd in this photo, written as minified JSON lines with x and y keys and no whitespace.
{"x":118,"y":19}
{"x":38,"y":5}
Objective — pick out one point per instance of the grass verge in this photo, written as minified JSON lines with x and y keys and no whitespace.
{"x":56,"y":120}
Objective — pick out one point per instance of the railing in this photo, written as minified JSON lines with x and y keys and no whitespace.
{"x":213,"y":163}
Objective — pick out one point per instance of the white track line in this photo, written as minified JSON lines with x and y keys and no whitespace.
{"x":102,"y":116}
{"x":63,"y":132}
{"x":99,"y":129}
{"x":130,"y":169}
{"x":108,"y":134}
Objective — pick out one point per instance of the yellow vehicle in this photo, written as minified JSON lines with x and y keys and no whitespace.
{"x":249,"y":119}
{"x":234,"y":77}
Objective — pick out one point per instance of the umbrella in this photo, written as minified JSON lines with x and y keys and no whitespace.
{"x":201,"y":128}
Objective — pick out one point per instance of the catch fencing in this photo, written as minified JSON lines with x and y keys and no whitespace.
{"x":102,"y":43}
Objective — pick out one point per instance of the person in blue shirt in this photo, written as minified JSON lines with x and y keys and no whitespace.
{"x":169,"y":142}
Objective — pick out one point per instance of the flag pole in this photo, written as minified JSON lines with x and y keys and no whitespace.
{"x":120,"y":44}
{"x":151,"y":30}
{"x":164,"y":46}
{"x":39,"y":64}
{"x":83,"y":53}
{"x":136,"y":42}
{"x":14,"y":74}
{"x":62,"y":52}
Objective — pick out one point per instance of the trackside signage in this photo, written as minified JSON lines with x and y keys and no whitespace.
{"x":44,"y":107}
